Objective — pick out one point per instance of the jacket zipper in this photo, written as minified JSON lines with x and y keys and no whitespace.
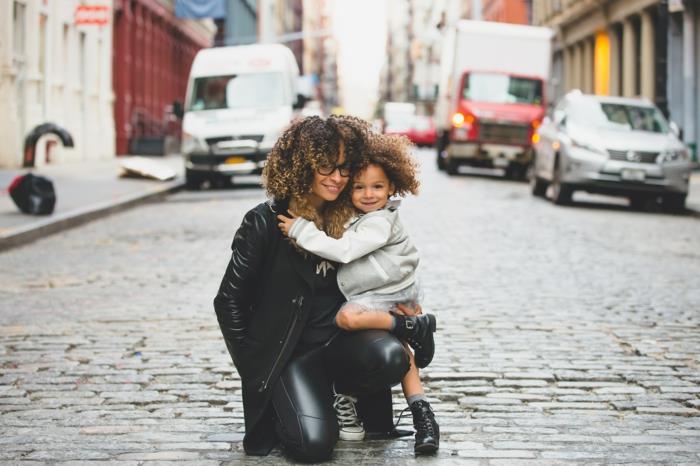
{"x":299,"y":302}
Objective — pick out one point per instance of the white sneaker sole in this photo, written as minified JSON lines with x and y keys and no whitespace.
{"x":352,"y":436}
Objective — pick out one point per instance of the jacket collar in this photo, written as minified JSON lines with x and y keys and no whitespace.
{"x":278,"y":206}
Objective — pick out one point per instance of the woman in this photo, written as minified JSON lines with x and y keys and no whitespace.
{"x":276,"y":305}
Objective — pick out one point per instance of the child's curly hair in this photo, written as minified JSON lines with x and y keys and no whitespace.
{"x":307,"y":144}
{"x":393,"y":154}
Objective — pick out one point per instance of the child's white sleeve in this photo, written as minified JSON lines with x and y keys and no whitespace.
{"x":371,"y":234}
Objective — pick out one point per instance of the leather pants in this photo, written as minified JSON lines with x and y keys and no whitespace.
{"x":367,"y":360}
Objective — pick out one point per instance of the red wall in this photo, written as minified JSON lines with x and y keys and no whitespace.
{"x":152,"y":54}
{"x":505,"y":11}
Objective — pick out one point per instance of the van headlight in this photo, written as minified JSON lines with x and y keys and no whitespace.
{"x":675,"y":155}
{"x":191,"y":143}
{"x":268,"y":141}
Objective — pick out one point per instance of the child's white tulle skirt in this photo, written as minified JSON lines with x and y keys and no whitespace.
{"x":386,"y":302}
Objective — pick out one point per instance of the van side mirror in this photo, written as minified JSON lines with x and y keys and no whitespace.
{"x":178,"y":111}
{"x":300,"y":102}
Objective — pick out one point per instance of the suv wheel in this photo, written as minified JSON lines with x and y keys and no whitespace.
{"x":538,"y":186}
{"x":561,"y":192}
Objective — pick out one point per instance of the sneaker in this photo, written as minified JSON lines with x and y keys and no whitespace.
{"x":417,"y":331}
{"x":348,"y":421}
{"x":427,"y":429}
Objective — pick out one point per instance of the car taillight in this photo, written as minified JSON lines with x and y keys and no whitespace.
{"x":464,"y":126}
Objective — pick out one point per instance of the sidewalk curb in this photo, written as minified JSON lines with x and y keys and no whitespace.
{"x":67,"y":220}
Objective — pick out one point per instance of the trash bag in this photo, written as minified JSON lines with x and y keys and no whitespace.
{"x":33,"y":194}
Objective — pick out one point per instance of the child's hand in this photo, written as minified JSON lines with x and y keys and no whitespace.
{"x":286,"y":222}
{"x":408,"y":311}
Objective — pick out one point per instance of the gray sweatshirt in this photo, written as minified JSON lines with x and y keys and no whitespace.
{"x":377,"y":254}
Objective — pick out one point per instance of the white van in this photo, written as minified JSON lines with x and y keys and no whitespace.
{"x":239,"y":100}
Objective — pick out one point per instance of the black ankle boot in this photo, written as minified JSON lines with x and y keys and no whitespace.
{"x":427,"y":429}
{"x":417,"y":331}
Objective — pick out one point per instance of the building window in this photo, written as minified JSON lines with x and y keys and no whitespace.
{"x":18,"y":30}
{"x":82,"y":65}
{"x":66,"y":55}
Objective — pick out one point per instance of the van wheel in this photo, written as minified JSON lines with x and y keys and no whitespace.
{"x":193,"y":181}
{"x":638,"y":202}
{"x":673,"y":203}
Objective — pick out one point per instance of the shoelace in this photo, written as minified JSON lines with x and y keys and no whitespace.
{"x":345,"y":408}
{"x":398,"y":421}
{"x":424,"y":423}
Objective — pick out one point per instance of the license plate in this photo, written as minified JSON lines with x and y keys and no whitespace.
{"x":500,"y":162}
{"x":233,"y":160}
{"x":629,"y":174}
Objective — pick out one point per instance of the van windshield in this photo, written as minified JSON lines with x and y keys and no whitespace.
{"x":502,"y":89}
{"x":237,"y":91}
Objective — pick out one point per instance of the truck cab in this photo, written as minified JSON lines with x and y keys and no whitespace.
{"x":239,"y":100}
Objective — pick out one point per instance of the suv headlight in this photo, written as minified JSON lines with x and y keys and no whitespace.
{"x":192,"y":143}
{"x":676,"y":155}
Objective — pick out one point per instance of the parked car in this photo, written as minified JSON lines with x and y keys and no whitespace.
{"x":610,"y":145}
{"x":399,"y":125}
{"x":422,"y":131}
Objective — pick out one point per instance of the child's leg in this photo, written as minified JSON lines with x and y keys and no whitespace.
{"x":411,"y":385}
{"x":357,"y":317}
{"x":427,"y":429}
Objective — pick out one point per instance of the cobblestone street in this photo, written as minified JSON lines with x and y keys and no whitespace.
{"x":566,"y":335}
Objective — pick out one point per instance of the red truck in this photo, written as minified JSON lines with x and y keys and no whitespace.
{"x":491,"y":96}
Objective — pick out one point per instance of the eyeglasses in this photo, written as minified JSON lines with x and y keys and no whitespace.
{"x":328,"y":169}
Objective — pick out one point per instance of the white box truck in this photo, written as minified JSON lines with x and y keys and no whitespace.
{"x":239,"y":100}
{"x":491,"y":95}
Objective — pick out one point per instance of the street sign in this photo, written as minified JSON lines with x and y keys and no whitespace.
{"x":92,"y":15}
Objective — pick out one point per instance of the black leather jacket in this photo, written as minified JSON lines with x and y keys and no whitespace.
{"x":262,"y":305}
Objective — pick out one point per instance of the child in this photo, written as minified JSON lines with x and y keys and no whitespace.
{"x":378,"y":276}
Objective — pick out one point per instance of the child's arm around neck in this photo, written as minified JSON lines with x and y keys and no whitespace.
{"x":371,"y":232}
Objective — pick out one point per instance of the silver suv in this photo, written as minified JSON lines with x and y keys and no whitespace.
{"x":610,"y":145}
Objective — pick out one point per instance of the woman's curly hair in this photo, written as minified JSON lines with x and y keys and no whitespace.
{"x":393,"y":154}
{"x":307,"y":144}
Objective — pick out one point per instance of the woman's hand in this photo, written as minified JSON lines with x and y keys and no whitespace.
{"x":408,"y":311}
{"x":286,"y":223}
